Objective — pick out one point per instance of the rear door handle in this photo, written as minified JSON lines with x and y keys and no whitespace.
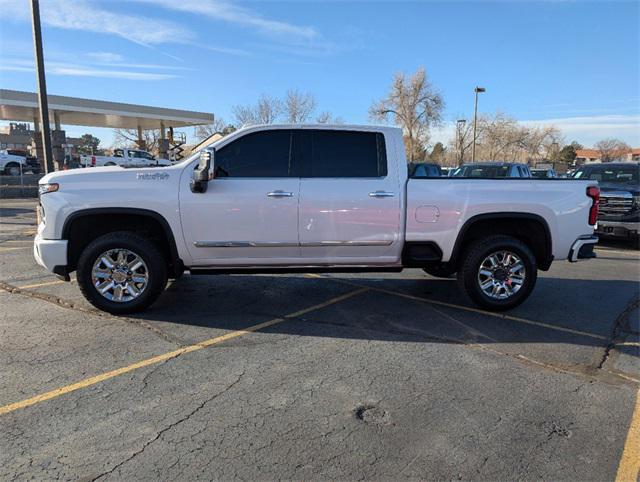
{"x":279,"y":193}
{"x":381,"y":194}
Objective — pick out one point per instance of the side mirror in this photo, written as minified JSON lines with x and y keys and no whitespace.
{"x":204,"y":172}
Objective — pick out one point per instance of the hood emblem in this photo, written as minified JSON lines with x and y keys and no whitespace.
{"x":156,"y":176}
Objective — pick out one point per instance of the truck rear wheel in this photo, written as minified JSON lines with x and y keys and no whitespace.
{"x":498,"y":273}
{"x":121,"y":272}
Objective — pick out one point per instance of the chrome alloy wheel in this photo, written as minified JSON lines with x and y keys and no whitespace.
{"x":120,"y":275}
{"x":501,"y":275}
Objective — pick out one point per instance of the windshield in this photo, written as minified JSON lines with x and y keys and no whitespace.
{"x":610,"y":174}
{"x":482,"y":171}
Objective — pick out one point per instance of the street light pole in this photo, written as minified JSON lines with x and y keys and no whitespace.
{"x":477,"y":90}
{"x":47,"y":162}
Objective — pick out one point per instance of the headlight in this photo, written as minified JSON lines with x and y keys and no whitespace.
{"x":45,"y":188}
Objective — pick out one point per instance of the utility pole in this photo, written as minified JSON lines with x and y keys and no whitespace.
{"x":47,"y":162}
{"x":477,"y":90}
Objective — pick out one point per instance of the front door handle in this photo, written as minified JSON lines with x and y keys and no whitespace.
{"x":279,"y":193}
{"x":381,"y":194}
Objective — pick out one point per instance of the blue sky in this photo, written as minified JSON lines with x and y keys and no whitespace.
{"x":571,"y":63}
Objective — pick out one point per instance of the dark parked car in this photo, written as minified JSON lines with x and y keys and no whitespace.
{"x":619,"y":213}
{"x":418,"y":170}
{"x":543,"y":173}
{"x":492,"y":170}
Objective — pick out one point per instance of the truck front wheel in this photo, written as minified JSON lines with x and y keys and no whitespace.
{"x":12,"y":169}
{"x":498,"y":273}
{"x":121,"y":272}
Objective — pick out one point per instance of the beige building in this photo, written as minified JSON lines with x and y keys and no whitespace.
{"x":589,"y":156}
{"x":16,"y":135}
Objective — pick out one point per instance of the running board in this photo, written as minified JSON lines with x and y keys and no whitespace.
{"x":294,"y":270}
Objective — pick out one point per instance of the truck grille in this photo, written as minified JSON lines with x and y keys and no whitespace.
{"x":616,"y":204}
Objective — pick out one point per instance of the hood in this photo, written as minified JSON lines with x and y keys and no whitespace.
{"x":107,"y":174}
{"x":611,"y":187}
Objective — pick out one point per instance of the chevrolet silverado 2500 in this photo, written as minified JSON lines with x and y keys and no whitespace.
{"x":305,"y":198}
{"x":619,"y":212}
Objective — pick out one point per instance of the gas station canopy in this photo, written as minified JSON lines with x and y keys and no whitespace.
{"x":23,"y":106}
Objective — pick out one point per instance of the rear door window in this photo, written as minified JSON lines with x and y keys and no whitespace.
{"x":328,"y":153}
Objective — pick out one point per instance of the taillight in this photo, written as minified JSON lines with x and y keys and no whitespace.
{"x":93,"y":160}
{"x":594,"y":193}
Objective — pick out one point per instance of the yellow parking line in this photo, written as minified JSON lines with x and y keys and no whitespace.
{"x":468,"y":308}
{"x":631,"y":253}
{"x":166,"y":356}
{"x":38,"y":285}
{"x":2,"y":250}
{"x":628,"y":343}
{"x":629,"y":467}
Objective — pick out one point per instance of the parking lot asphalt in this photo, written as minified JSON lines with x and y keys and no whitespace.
{"x":315,"y":376}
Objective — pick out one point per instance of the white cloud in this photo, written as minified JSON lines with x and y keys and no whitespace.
{"x":590,"y":129}
{"x":105,"y":57}
{"x":587,"y":130}
{"x":86,"y":16}
{"x":65,"y":69}
{"x":229,"y":12}
{"x":108,"y":74}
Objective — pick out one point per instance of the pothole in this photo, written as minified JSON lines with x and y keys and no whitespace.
{"x":372,"y":414}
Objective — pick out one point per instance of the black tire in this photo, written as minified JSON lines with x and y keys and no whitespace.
{"x":440,"y":270}
{"x":142,"y":247}
{"x":11,"y":167}
{"x":472,"y":260}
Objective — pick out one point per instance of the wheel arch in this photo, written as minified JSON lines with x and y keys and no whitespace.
{"x":85,"y":225}
{"x":530,"y":228}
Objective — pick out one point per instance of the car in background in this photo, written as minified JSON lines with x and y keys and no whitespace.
{"x":446,"y":171}
{"x":422,"y":170}
{"x":33,"y":165}
{"x":492,"y":170}
{"x":543,"y":173}
{"x":124,"y":158}
{"x":619,"y":211}
{"x":12,"y":164}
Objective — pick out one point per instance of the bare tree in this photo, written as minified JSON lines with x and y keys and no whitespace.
{"x":298,"y":106}
{"x":503,"y":138}
{"x":219,"y":126}
{"x":244,"y":115}
{"x":415,"y":105}
{"x":611,"y":149}
{"x":266,"y":111}
{"x":129,"y":138}
{"x":460,"y":145}
{"x":326,"y":117}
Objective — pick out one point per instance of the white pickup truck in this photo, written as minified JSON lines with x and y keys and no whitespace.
{"x":124,"y":158}
{"x":313,"y":198}
{"x":11,"y":164}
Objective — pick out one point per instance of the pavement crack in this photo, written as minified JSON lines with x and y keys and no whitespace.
{"x":72,"y":306}
{"x":171,"y":426}
{"x":616,"y":330}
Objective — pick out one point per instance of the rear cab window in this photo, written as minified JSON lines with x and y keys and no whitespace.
{"x":341,"y":154}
